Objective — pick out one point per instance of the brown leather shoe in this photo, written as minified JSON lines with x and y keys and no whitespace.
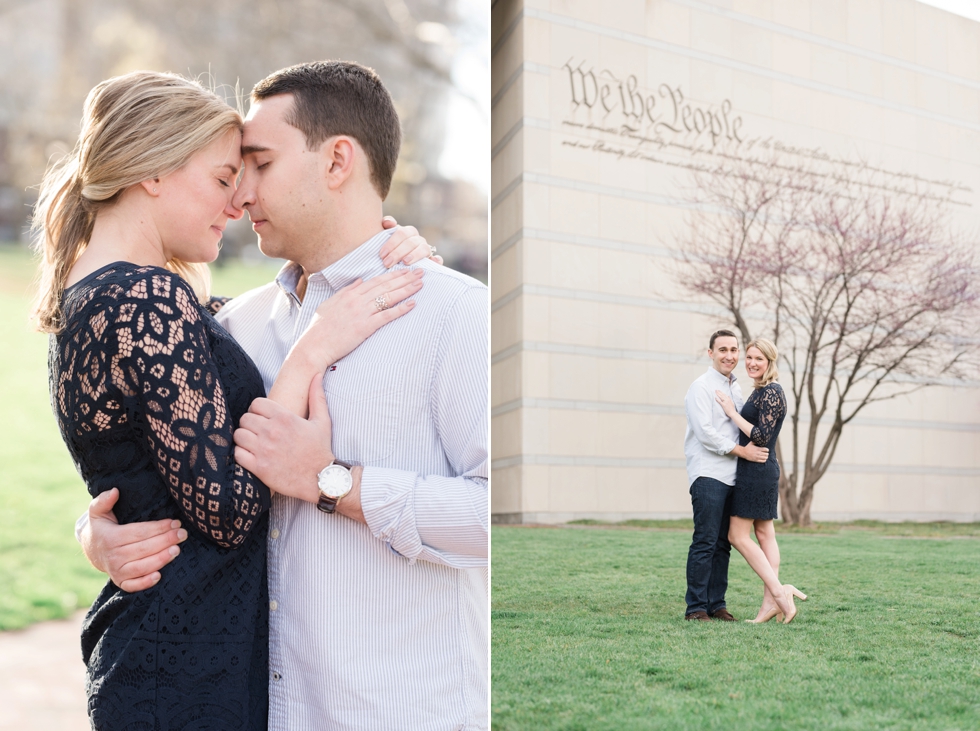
{"x":724,"y":615}
{"x":700,"y":616}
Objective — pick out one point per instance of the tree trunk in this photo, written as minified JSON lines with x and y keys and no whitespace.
{"x":805,"y":502}
{"x":788,"y":508}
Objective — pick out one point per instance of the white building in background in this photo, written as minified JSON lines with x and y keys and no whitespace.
{"x":593,"y":347}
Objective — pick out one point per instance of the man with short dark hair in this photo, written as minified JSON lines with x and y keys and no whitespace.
{"x":711,"y":448}
{"x":332,"y":98}
{"x":377,"y":564}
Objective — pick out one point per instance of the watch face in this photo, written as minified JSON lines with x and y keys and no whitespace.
{"x":335,"y":481}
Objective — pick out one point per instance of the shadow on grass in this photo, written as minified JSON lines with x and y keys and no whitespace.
{"x":939,"y":529}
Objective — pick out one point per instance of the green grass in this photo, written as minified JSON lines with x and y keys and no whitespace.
{"x":43,"y":573}
{"x":588,"y":633}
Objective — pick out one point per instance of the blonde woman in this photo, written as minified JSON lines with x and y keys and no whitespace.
{"x":148,"y":388}
{"x":756,"y":492}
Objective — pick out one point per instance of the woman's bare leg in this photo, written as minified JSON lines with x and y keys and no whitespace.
{"x":740,"y":537}
{"x":765,"y":532}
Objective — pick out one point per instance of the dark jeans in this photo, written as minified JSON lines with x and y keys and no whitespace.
{"x":707,"y":560}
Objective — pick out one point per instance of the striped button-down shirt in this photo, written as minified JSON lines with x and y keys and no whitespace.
{"x":711,"y":435}
{"x":384,"y":626}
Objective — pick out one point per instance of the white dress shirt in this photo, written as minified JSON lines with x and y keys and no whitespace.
{"x":711,"y":435}
{"x":384,"y":626}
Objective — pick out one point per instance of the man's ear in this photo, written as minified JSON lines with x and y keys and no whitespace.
{"x":338,"y":153}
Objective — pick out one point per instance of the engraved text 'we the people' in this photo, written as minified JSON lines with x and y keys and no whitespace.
{"x":665,"y":111}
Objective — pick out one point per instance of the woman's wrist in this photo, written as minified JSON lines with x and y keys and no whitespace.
{"x":313,"y":351}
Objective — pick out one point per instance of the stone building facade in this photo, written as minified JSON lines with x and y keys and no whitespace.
{"x":597,"y":110}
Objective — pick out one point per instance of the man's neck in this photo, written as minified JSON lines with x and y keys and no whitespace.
{"x":340,"y":237}
{"x":352,"y":223}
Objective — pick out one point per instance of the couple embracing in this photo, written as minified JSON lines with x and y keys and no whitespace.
{"x":734,"y":478}
{"x":332,"y":566}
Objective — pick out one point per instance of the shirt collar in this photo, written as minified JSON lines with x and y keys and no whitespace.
{"x":363,"y":262}
{"x":288,"y":278}
{"x":730,"y":380}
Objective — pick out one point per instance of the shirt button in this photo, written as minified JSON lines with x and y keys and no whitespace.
{"x":275,"y":533}
{"x":276,"y":676}
{"x":273,"y":605}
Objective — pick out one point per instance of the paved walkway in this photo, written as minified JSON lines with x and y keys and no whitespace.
{"x":42,"y":678}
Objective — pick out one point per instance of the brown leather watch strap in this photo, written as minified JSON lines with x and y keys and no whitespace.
{"x":326,"y":504}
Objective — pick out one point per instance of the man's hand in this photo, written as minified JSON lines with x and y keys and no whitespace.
{"x":287,"y":452}
{"x":283,"y":450}
{"x":131,"y":554}
{"x":752,"y":453}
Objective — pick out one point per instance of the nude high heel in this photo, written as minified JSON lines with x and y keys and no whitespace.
{"x":796,"y":592}
{"x":790,"y":591}
{"x":774,"y":612}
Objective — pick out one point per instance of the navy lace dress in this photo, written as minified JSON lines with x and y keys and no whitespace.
{"x":147,"y":389}
{"x":756,"y":490}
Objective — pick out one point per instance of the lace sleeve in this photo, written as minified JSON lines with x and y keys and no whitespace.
{"x":163,"y":365}
{"x":772,"y":408}
{"x":215,"y":303}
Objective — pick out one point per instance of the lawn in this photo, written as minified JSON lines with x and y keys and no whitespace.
{"x":587,"y":633}
{"x":42,"y":570}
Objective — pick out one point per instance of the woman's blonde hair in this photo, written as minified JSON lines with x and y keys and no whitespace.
{"x":768,"y":349}
{"x":135,"y":127}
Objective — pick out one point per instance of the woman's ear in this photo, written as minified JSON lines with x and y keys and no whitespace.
{"x":151,"y":186}
{"x":339,"y":153}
